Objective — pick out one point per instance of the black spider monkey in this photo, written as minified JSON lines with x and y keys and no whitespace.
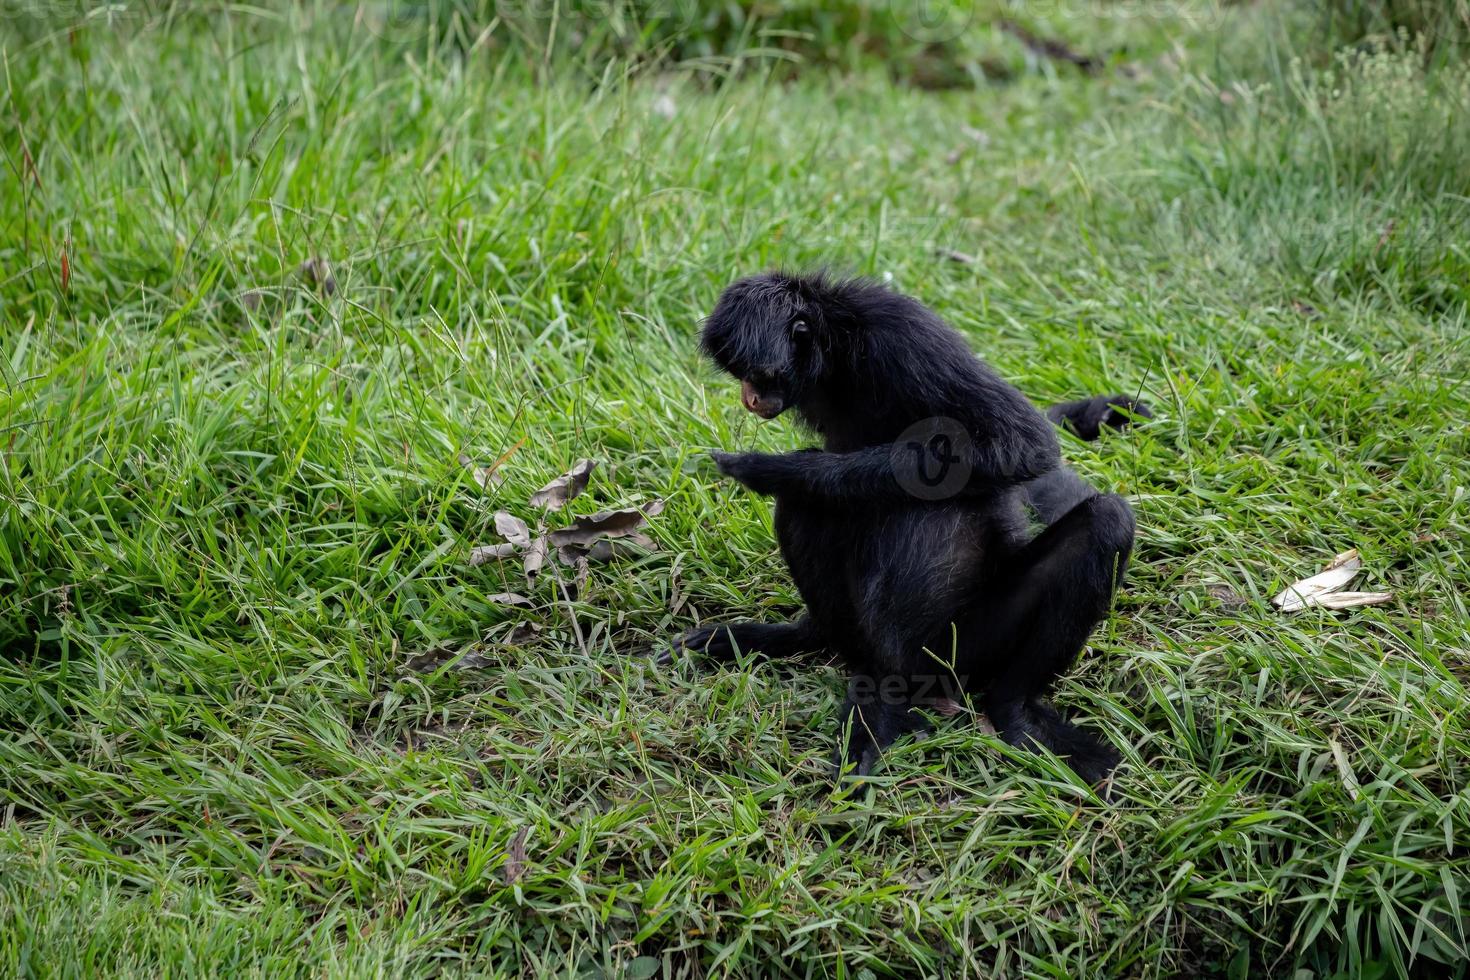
{"x":907,"y":533}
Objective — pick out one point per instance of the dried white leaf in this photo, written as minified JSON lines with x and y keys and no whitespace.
{"x":1350,"y":600}
{"x":1339,"y":572}
{"x":508,"y":599}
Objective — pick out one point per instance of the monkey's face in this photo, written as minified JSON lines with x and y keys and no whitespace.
{"x":764,"y":333}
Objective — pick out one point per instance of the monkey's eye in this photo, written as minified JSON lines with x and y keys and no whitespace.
{"x":799,"y":328}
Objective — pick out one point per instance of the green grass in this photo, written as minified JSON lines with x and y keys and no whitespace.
{"x":227,"y":532}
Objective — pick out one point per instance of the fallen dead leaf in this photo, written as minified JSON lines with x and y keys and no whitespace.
{"x":489,"y":552}
{"x":515,"y":856}
{"x":1350,"y":600}
{"x":512,"y":529}
{"x":508,"y":599}
{"x":464,"y":658}
{"x":1227,"y":596}
{"x":535,"y":557}
{"x":318,"y":271}
{"x":955,"y":255}
{"x":556,"y":494}
{"x":488,"y":477}
{"x":635,"y":545}
{"x":1324,"y":588}
{"x":580,"y":571}
{"x":605,"y":524}
{"x":522,"y":634}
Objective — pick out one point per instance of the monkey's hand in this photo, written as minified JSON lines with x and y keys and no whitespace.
{"x":764,"y":473}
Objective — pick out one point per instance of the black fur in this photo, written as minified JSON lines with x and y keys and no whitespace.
{"x":1089,"y":416}
{"x":923,"y":597}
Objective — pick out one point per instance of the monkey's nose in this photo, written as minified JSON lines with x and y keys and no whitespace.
{"x":766,"y":406}
{"x":749,"y":395}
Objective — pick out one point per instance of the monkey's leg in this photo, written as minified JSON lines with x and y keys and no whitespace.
{"x":914,"y":574}
{"x":871,"y":719}
{"x":722,"y":642}
{"x":1060,"y":587}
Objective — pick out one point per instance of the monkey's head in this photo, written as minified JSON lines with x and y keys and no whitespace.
{"x":770,"y":331}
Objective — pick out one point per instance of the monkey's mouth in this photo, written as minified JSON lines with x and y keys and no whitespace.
{"x":765,"y":404}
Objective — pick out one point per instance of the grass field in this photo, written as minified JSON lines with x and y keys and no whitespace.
{"x":237,"y":736}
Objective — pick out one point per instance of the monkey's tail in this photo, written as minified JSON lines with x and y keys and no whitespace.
{"x":1088,"y":416}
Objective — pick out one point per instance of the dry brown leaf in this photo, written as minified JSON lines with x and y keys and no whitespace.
{"x":318,"y":271}
{"x":635,"y":545}
{"x":1227,"y":596}
{"x":469,"y":658}
{"x":535,"y":557}
{"x":605,"y":524}
{"x":515,"y":856}
{"x":556,"y":494}
{"x":489,"y":552}
{"x":522,"y":634}
{"x":512,"y":529}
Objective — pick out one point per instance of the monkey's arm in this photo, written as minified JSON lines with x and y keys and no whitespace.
{"x":890,"y":474}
